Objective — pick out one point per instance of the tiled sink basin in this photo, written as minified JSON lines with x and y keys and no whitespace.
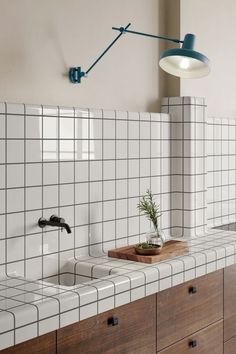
{"x":74,"y":273}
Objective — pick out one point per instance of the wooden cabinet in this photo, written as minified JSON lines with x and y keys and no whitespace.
{"x":188,"y":307}
{"x":208,"y":340}
{"x":229,"y":302}
{"x":129,"y":329}
{"x":45,"y":344}
{"x":230,"y":310}
{"x":230,"y":346}
{"x":184,"y":319}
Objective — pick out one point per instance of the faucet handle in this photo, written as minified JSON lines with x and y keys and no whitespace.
{"x":56,"y":219}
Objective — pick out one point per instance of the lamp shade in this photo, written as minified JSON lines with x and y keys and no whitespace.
{"x":185,"y":62}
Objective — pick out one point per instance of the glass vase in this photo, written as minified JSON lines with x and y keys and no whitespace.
{"x":155,"y":237}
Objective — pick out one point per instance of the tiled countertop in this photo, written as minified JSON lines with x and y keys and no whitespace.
{"x":31,"y":308}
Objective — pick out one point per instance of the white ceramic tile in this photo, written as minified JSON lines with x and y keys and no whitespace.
{"x":6,"y":340}
{"x":133,"y":166}
{"x":15,"y":151}
{"x":66,"y":172}
{"x":15,"y":224}
{"x":95,"y":170}
{"x":66,"y":128}
{"x":88,"y":295}
{"x":33,"y":174}
{"x":122,"y":149}
{"x":109,"y":210}
{"x":33,"y":110}
{"x":137,"y":293}
{"x":15,"y":108}
{"x":108,"y":149}
{"x":121,"y":228}
{"x":95,"y":191}
{"x":7,"y":321}
{"x":121,"y":188}
{"x":67,"y":150}
{"x":109,"y":190}
{"x":109,"y":129}
{"x":33,"y":127}
{"x":81,"y":171}
{"x":48,"y":325}
{"x":33,"y":151}
{"x":15,"y":200}
{"x":81,"y":214}
{"x":81,"y":193}
{"x":109,"y":231}
{"x":121,"y":208}
{"x":122,"y":299}
{"x":50,"y":173}
{"x":109,"y":170}
{"x":66,"y":194}
{"x":106,"y":304}
{"x":121,"y":129}
{"x":15,"y":126}
{"x":88,"y":311}
{"x":33,"y":198}
{"x":50,"y":127}
{"x":69,"y":317}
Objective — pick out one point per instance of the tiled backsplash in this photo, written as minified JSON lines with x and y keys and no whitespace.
{"x":188,"y":164}
{"x":91,"y":167}
{"x":87,"y":166}
{"x":221,"y":171}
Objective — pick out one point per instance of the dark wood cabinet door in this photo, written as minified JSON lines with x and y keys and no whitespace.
{"x":230,"y":346}
{"x":207,"y":341}
{"x":133,"y":331}
{"x":229,"y":302}
{"x":45,"y":344}
{"x":189,"y":307}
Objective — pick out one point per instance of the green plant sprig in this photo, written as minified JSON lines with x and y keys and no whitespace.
{"x":148,"y":207}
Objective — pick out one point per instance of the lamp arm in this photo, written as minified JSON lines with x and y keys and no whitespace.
{"x":106,"y":50}
{"x":124,"y":30}
{"x":75,"y":73}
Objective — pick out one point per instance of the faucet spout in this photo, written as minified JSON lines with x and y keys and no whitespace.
{"x":66,"y":226}
{"x":54,"y":221}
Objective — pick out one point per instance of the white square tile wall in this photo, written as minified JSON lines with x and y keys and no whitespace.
{"x":87,"y":166}
{"x":91,"y":167}
{"x":221,"y":171}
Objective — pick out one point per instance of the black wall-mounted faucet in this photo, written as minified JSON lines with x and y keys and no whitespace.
{"x":54,"y":221}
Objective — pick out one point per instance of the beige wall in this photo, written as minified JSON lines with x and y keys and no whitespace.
{"x":214,"y":23}
{"x":40,"y":40}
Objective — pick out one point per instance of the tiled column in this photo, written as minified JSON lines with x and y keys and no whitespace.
{"x":188,"y":164}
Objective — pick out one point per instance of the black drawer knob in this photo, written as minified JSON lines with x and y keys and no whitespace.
{"x":113,"y":321}
{"x":192,"y":290}
{"x":193,"y":343}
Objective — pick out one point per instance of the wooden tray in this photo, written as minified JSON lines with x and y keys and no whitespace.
{"x":170,"y":249}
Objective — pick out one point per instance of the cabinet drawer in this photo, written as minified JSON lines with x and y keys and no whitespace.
{"x":208,"y":340}
{"x":229,"y":302}
{"x":189,"y":307}
{"x":230,"y":346}
{"x":134,"y":332}
{"x":45,"y":344}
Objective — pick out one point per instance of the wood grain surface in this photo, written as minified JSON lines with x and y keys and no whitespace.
{"x":170,"y":250}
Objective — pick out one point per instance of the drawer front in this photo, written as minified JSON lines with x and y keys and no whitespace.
{"x":189,"y":307}
{"x":129,"y":329}
{"x":230,"y":346}
{"x":208,"y":340}
{"x":45,"y":344}
{"x":229,"y":302}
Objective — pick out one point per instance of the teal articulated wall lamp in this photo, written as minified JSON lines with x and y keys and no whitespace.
{"x":183,"y":62}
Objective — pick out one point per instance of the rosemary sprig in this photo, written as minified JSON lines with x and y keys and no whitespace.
{"x":148,"y":207}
